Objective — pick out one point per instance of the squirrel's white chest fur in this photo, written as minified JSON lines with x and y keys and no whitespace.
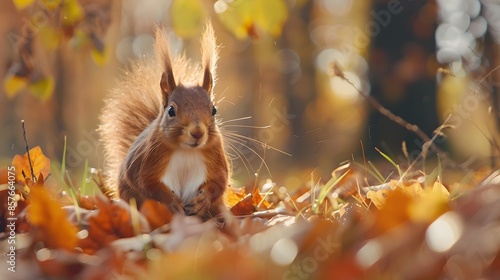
{"x":185,"y":173}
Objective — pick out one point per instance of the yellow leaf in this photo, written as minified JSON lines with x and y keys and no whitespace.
{"x":187,"y":17}
{"x":40,"y":163}
{"x":378,"y":197}
{"x":43,"y":88}
{"x":237,"y":16}
{"x":71,"y":12}
{"x":394,"y":212}
{"x":13,"y":84}
{"x":49,"y":222}
{"x":411,"y":188}
{"x":270,"y":15}
{"x":49,"y":37}
{"x":241,"y":16}
{"x":100,"y":58}
{"x":432,"y":204}
{"x":79,"y":39}
{"x":21,"y":4}
{"x":231,"y":197}
{"x":51,"y":4}
{"x":441,"y":190}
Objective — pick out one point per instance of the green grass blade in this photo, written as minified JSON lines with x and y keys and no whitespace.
{"x":83,"y":186}
{"x":327,"y":188}
{"x":377,"y":173}
{"x":390,"y":161}
{"x":63,"y":161}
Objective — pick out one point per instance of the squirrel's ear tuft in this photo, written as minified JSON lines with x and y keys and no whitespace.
{"x":163,"y":54}
{"x":209,"y":51}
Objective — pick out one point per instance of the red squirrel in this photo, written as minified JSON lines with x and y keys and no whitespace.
{"x":160,"y":133}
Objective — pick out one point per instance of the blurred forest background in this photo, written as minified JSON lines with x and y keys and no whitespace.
{"x":425,"y":61}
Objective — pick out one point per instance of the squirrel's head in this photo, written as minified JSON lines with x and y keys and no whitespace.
{"x":189,"y":118}
{"x":189,"y":112}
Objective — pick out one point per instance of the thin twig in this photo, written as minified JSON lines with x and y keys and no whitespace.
{"x":387,"y":113}
{"x":33,"y":178}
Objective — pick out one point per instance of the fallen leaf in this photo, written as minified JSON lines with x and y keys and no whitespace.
{"x":40,"y":163}
{"x":432,"y":203}
{"x":244,"y":207}
{"x":394,"y":211}
{"x":111,"y":221}
{"x":87,"y":202}
{"x":233,"y":196}
{"x":4,"y":176}
{"x":411,"y":188}
{"x":258,"y":201}
{"x":156,"y":213}
{"x":49,"y":223}
{"x":378,"y":197}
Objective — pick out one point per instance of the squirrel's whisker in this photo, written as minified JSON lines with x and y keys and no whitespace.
{"x":234,"y":134}
{"x":242,"y":157}
{"x":254,"y":152}
{"x":234,"y":120}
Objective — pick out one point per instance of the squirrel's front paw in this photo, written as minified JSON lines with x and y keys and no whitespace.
{"x":198,"y":206}
{"x":175,"y":205}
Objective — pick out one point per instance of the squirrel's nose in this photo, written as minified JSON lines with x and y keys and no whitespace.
{"x":197,"y":134}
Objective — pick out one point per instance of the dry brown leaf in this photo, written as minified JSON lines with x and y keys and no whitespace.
{"x":257,"y":199}
{"x":87,"y":202}
{"x":111,"y":222}
{"x":156,"y":213}
{"x":40,"y":163}
{"x":11,"y":205}
{"x":394,"y":211}
{"x":378,"y":197}
{"x":4,"y":175}
{"x":48,"y":220}
{"x":244,"y":207}
{"x":232,"y":196}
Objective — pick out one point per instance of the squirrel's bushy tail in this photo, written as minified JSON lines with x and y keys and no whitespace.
{"x":137,"y":100}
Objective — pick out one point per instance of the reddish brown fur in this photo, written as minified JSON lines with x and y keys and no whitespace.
{"x":139,"y":137}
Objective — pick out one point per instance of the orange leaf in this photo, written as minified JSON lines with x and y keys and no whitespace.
{"x":49,"y":221}
{"x":394,"y":211}
{"x":87,"y":202}
{"x":231,"y":197}
{"x":244,"y":207}
{"x":4,"y":175}
{"x":156,"y":213}
{"x":40,"y":163}
{"x":111,"y":222}
{"x":257,"y":199}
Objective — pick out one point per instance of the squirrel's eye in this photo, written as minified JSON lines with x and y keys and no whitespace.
{"x":214,"y":110}
{"x":171,"y":111}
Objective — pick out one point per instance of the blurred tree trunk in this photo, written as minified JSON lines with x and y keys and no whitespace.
{"x":402,"y":74}
{"x":300,"y":85}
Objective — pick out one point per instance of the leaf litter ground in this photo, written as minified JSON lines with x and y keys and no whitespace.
{"x":357,"y":225}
